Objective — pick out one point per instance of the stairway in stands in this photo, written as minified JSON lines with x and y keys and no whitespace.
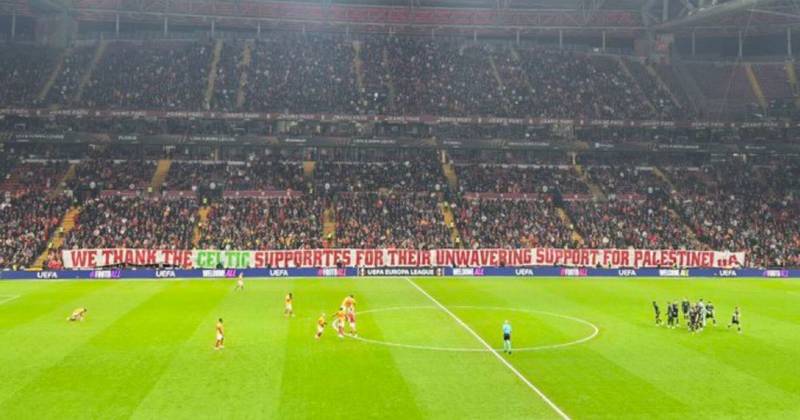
{"x":526,"y":79}
{"x":212,"y":74}
{"x":755,"y":86}
{"x":639,"y":91}
{"x":791,"y":75}
{"x":202,"y":220}
{"x":160,"y":175}
{"x":450,"y":222}
{"x":389,"y":82}
{"x":57,"y":240}
{"x":452,"y":181}
{"x":501,"y":86}
{"x":450,"y":175}
{"x":675,"y":216}
{"x":73,"y":169}
{"x":87,"y":76}
{"x":567,"y":221}
{"x":51,"y":80}
{"x":247,"y":57}
{"x":329,"y":226}
{"x":358,"y":66}
{"x":596,"y":192}
{"x":308,"y":169}
{"x":657,"y":77}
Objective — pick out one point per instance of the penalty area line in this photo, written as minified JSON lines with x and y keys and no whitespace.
{"x":480,"y":339}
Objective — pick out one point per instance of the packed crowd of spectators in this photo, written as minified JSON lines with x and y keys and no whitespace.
{"x":266,"y":175}
{"x":371,"y":220}
{"x":27,"y":222}
{"x":418,"y":176}
{"x":264,"y":224}
{"x":744,"y":207}
{"x":385,"y":197}
{"x":511,"y":224}
{"x":619,"y":180}
{"x":133,"y":222}
{"x":302,"y":73}
{"x":38,"y":175}
{"x":377,"y":87}
{"x":570,"y":85}
{"x":519,"y":179}
{"x":169,"y":76}
{"x":229,"y":73}
{"x":646,"y":224}
{"x":104,"y":174}
{"x":186,"y":176}
{"x":23,"y":73}
{"x":66,"y":85}
{"x":327,"y":73}
{"x":7,"y":164}
{"x":657,"y":95}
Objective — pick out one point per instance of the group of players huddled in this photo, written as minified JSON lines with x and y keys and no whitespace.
{"x":696,"y":316}
{"x":346,"y":315}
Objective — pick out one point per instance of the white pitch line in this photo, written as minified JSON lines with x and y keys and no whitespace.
{"x":7,"y":298}
{"x":493,"y":351}
{"x":595,"y":330}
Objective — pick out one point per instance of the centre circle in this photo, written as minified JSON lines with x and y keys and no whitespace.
{"x":593,"y":334}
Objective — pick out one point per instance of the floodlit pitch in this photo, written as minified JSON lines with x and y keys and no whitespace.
{"x":427,"y":348}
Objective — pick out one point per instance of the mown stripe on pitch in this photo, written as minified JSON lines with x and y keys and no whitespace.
{"x":582,"y":378}
{"x":45,"y":340}
{"x":236,"y":382}
{"x":107,"y":376}
{"x":336,"y":378}
{"x":676,"y":366}
{"x":43,"y":302}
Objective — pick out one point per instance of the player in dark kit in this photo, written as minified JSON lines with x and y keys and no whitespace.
{"x":670,"y":319}
{"x":710,"y":313}
{"x":736,"y":320}
{"x":685,"y":306}
{"x":658,"y":313}
{"x":673,"y":310}
{"x":694,"y":319}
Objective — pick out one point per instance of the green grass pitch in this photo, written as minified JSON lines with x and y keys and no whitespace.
{"x":146,"y":350}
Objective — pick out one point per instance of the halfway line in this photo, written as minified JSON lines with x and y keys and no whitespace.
{"x":492,"y":350}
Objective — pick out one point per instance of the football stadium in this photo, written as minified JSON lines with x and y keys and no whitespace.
{"x":399,"y":209}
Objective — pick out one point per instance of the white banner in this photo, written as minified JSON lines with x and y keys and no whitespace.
{"x":320,"y":258}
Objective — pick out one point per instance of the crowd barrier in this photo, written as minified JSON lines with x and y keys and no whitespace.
{"x":397,"y":272}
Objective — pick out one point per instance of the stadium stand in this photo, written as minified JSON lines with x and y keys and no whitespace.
{"x":23,"y":73}
{"x":134,"y":222}
{"x":327,"y":73}
{"x":150,"y":76}
{"x":28,"y":221}
{"x":264,"y":224}
{"x":372,"y":220}
{"x":309,"y":182}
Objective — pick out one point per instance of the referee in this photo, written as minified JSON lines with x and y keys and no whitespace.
{"x":507,"y":337}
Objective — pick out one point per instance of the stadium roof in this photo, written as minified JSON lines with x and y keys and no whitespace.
{"x":704,"y":17}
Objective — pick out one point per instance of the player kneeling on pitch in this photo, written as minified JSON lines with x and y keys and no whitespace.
{"x":77,"y":315}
